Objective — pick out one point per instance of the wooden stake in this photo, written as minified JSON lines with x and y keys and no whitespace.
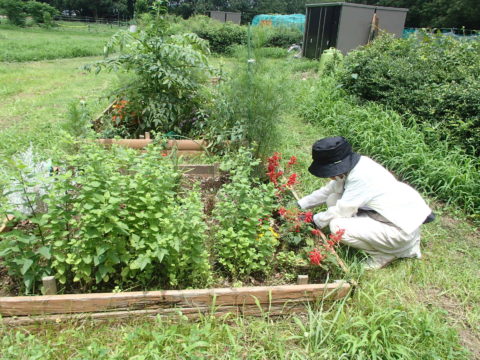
{"x":4,"y":223}
{"x":109,"y":107}
{"x":302,"y":279}
{"x":49,"y":285}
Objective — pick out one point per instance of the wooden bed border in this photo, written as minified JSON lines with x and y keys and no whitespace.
{"x":274,"y":300}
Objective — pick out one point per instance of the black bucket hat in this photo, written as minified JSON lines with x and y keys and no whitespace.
{"x":332,"y":156}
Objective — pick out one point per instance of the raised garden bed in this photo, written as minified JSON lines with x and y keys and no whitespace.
{"x":163,"y":231}
{"x":274,"y":300}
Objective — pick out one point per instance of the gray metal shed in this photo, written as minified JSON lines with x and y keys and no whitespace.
{"x":346,"y":26}
{"x":225,"y":16}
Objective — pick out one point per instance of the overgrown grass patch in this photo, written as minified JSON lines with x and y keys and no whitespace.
{"x":35,"y":99}
{"x":34,"y":44}
{"x":448,"y":174}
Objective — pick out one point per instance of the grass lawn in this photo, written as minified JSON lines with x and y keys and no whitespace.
{"x":414,"y":309}
{"x":65,"y":41}
{"x":35,"y":97}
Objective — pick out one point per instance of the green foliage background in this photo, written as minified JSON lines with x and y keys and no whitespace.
{"x":434,"y":77}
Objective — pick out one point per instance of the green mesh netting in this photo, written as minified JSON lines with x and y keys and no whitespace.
{"x":294,"y":20}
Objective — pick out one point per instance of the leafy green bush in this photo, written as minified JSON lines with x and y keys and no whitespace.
{"x":434,"y":77}
{"x":14,"y":10}
{"x":248,"y":105}
{"x":169,"y":70}
{"x":220,"y":36}
{"x":40,"y":11}
{"x":114,"y":217}
{"x":447,"y":174}
{"x":244,"y":241}
{"x":283,"y":37}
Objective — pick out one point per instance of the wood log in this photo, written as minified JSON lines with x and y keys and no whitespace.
{"x":195,"y":145}
{"x":168,"y":299}
{"x":200,"y":170}
{"x":189,"y":313}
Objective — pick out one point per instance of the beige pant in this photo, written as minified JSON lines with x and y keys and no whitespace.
{"x":375,"y":235}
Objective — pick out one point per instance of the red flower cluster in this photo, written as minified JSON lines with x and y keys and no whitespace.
{"x":316,"y":232}
{"x":292,"y":180}
{"x":118,"y":110}
{"x":273,"y":163}
{"x":308,"y":217}
{"x":316,"y":257}
{"x":275,"y":173}
{"x":335,"y":238}
{"x":297,"y":218}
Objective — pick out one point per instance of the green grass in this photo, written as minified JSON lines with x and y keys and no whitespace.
{"x":413,"y":309}
{"x":66,"y":41}
{"x":35,"y":98}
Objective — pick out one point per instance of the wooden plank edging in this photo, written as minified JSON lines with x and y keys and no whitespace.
{"x":187,"y":145}
{"x":168,"y":301}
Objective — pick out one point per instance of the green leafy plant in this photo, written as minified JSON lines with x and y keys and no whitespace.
{"x":446,"y":173}
{"x":432,"y":76}
{"x":248,"y":105}
{"x":168,"y":74}
{"x":117,"y":216}
{"x":244,"y":239}
{"x":113,"y":218}
{"x":15,"y":11}
{"x":40,"y":12}
{"x":24,"y":184}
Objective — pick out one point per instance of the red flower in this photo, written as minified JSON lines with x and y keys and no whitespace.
{"x":292,"y":180}
{"x":335,"y":238}
{"x":308,"y":217}
{"x":293,"y":160}
{"x":316,"y":232}
{"x":282,"y":211}
{"x":316,"y":257}
{"x":273,"y":162}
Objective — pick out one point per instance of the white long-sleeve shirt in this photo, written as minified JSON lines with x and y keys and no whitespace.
{"x":370,"y":186}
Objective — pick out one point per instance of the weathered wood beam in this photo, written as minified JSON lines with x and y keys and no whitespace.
{"x":200,"y":170}
{"x":170,"y":299}
{"x":189,"y":145}
{"x":174,"y":313}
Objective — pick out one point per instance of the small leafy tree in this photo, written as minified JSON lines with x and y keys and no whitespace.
{"x":15,"y":11}
{"x":40,"y":11}
{"x":165,"y":93}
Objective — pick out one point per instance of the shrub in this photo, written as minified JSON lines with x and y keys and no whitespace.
{"x":447,"y":174}
{"x":40,"y":11}
{"x":284,"y":37}
{"x":169,"y":71}
{"x":114,"y":217}
{"x":434,"y":77}
{"x":244,"y":241}
{"x":15,"y":11}
{"x":220,"y":36}
{"x":248,"y":105}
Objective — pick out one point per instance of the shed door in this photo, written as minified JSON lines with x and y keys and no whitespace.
{"x":321,"y":30}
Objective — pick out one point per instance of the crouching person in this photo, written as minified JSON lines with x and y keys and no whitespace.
{"x":379,"y":214}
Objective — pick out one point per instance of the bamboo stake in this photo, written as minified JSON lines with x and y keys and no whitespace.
{"x":3,"y":225}
{"x":109,"y":107}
